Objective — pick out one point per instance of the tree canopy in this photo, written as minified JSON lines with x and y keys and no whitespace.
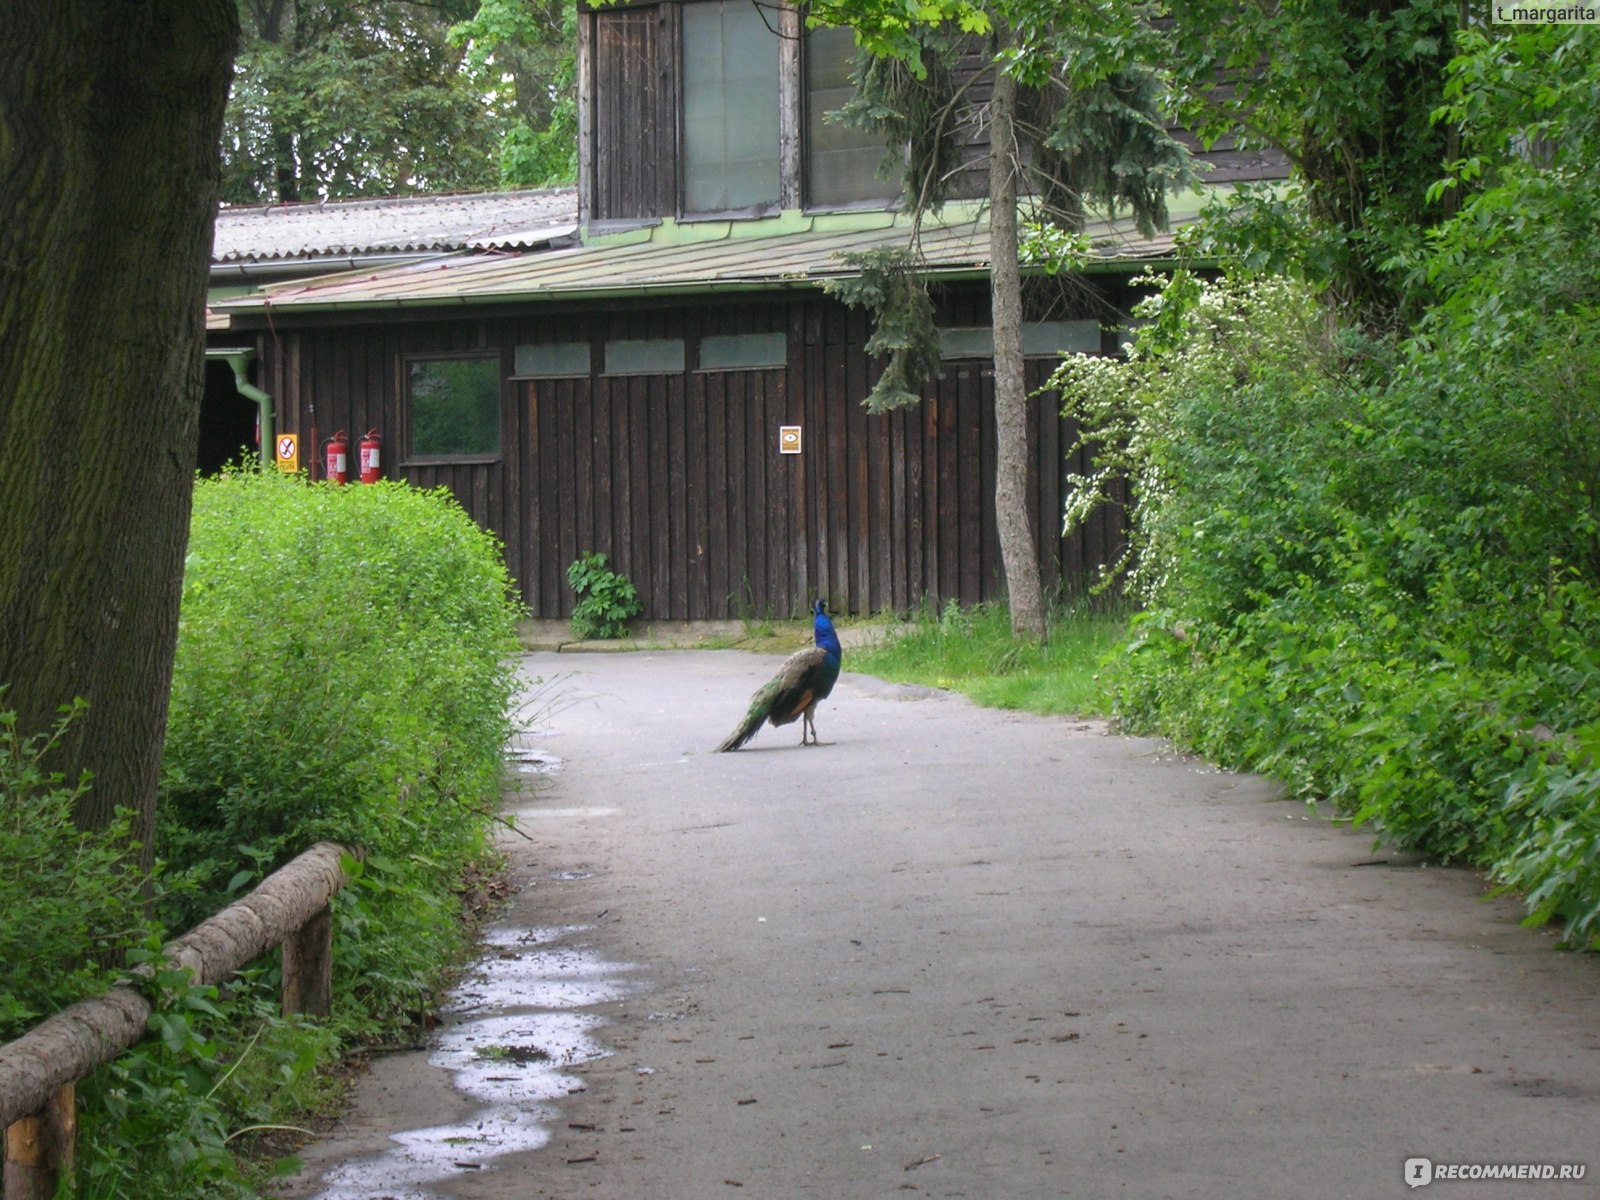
{"x":335,"y":99}
{"x":1346,"y":90}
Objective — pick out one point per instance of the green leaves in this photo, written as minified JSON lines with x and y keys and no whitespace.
{"x":1107,"y":147}
{"x":1371,"y":570}
{"x":894,"y":28}
{"x":70,"y":902}
{"x":903,"y":332}
{"x":341,"y":98}
{"x":607,"y":601}
{"x":345,"y":672}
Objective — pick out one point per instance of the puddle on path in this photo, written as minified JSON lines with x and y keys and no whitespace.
{"x":534,"y":969}
{"x":528,"y":761}
{"x":513,"y":1031}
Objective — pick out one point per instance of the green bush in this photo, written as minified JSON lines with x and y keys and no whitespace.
{"x":607,"y":601}
{"x":72,"y":901}
{"x":344,"y":672}
{"x":1371,"y":572}
{"x":168,"y":1116}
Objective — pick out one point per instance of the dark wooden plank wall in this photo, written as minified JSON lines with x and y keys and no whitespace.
{"x":634,"y":155}
{"x":677,"y":478}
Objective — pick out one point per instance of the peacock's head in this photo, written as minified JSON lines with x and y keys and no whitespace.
{"x":820,"y":608}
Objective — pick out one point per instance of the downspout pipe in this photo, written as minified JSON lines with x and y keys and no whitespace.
{"x":239,"y":360}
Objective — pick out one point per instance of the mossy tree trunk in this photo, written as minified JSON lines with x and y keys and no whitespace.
{"x":110,"y":115}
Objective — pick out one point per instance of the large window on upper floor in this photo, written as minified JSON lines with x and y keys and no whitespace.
{"x":703,"y":108}
{"x":841,"y":160}
{"x":730,"y":108}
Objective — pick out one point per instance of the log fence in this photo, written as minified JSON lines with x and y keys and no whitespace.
{"x":39,"y":1071}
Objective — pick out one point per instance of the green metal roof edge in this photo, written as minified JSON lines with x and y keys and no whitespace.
{"x":669,"y":233}
{"x":547,"y":296}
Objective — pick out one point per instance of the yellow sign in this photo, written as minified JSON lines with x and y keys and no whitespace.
{"x":788,"y":439}
{"x":287,"y":452}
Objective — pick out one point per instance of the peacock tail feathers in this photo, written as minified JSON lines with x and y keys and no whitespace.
{"x":760,"y":710}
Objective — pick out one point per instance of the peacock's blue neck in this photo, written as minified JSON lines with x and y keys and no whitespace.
{"x":822,"y":630}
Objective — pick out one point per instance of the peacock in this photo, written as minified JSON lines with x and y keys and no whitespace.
{"x":804,"y":680}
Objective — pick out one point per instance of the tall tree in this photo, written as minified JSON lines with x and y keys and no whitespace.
{"x":1067,"y":140}
{"x":343,"y":98}
{"x":1018,"y":551}
{"x":1347,"y":90}
{"x":109,"y":118}
{"x":525,"y":52}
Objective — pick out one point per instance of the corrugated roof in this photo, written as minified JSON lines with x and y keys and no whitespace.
{"x":417,"y":224}
{"x":705,"y":256}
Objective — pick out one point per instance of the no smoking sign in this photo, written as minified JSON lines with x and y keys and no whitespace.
{"x":288,"y":452}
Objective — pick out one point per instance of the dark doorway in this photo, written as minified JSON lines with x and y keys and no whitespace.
{"x":227,"y":422}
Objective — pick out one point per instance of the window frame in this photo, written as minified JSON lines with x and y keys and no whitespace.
{"x":887,"y":192}
{"x":608,"y":370}
{"x":761,"y":208}
{"x":408,"y":362}
{"x":726,"y":341}
{"x":586,"y":348}
{"x":1033,"y":333}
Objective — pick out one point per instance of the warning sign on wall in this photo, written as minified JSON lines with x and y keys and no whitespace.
{"x":288,"y":452}
{"x":788,"y":439}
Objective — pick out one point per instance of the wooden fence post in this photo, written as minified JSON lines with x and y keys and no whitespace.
{"x":38,"y":1112}
{"x":308,"y":967}
{"x":40,"y":1148}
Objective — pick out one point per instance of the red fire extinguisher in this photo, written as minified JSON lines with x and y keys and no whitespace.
{"x":338,"y":449}
{"x":369,"y":456}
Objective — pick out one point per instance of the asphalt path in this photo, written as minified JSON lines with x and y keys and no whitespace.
{"x":956,"y":952}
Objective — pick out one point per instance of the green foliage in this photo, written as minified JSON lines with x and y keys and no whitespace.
{"x":896,"y":28}
{"x":342,"y":98}
{"x":903,"y":328}
{"x":395,"y":924}
{"x":1107,"y":146}
{"x":71,"y":901}
{"x":914,"y":105}
{"x":1091,"y":140}
{"x":344,"y":672}
{"x":1255,"y":353}
{"x":973,"y":651}
{"x":524,"y":57}
{"x":1521,"y":247}
{"x":607,"y":601}
{"x":167,"y":1117}
{"x":1370,"y":570}
{"x":1347,"y":91}
{"x":540,"y":157}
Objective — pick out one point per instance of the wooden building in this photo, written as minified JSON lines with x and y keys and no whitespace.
{"x":662,"y":379}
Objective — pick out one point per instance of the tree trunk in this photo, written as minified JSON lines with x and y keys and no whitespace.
{"x":1018,"y":551}
{"x":110,"y":116}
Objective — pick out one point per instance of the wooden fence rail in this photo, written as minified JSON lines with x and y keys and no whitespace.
{"x":39,"y":1071}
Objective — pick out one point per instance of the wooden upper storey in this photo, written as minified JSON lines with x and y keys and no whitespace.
{"x":717,"y":108}
{"x":721,"y":108}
